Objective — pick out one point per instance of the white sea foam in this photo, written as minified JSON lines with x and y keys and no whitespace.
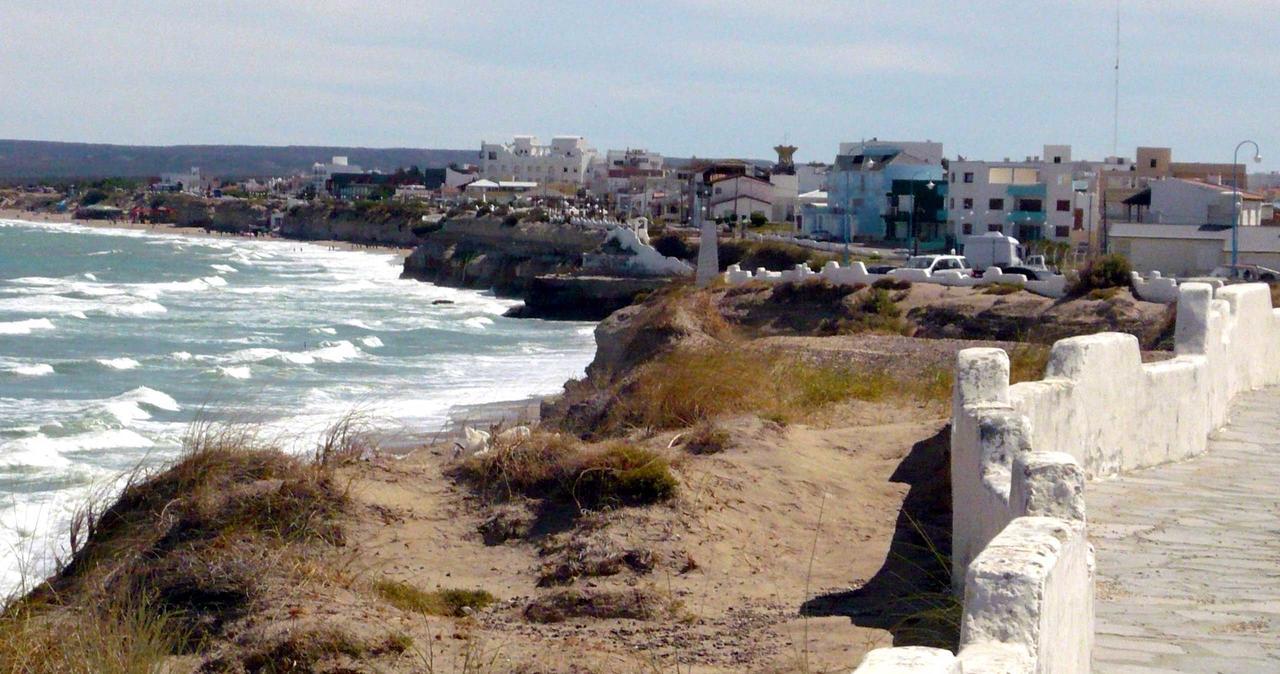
{"x":357,"y":323}
{"x":181,"y":355}
{"x":90,"y":276}
{"x":118,"y":363}
{"x":235,"y":372}
{"x":323,"y":331}
{"x":25,"y":327}
{"x":224,"y":268}
{"x":371,"y":342}
{"x":478,"y":322}
{"x":130,"y":407}
{"x":35,"y":370}
{"x":335,"y":352}
{"x":43,"y":451}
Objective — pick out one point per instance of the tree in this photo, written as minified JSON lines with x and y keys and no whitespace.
{"x":759,"y":219}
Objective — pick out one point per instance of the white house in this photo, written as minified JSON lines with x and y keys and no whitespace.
{"x":1192,"y":250}
{"x":185,"y":181}
{"x":566,"y":160}
{"x":739,"y":196}
{"x":1184,"y":201}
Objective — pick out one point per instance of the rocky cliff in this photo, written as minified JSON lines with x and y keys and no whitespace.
{"x":490,"y":253}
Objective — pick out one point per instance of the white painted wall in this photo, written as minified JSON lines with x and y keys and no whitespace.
{"x":1020,"y":455}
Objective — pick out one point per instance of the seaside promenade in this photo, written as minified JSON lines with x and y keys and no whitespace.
{"x":1188,"y":555}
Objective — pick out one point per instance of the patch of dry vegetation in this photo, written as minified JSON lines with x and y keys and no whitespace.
{"x":690,"y":387}
{"x":178,"y":555}
{"x":560,"y":469}
{"x":1001,"y":289}
{"x":450,"y":602}
{"x":631,"y":604}
{"x":1027,"y":362}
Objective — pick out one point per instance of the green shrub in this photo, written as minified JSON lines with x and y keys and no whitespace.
{"x":625,"y":474}
{"x":759,"y":219}
{"x":1108,"y":271}
{"x":707,"y":438}
{"x":1001,"y":289}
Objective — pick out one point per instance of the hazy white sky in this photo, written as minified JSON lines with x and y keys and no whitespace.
{"x":989,"y":78}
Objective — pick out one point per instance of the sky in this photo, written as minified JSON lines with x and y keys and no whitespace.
{"x":988,"y":78}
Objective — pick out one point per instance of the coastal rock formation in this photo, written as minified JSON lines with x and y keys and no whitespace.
{"x":489,"y":253}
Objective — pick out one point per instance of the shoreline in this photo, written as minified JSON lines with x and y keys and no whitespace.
{"x":196,"y":232}
{"x":479,"y":415}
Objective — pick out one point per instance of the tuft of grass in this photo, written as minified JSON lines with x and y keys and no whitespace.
{"x":1103,"y":293}
{"x":1027,"y":362}
{"x":558,"y":468}
{"x":109,"y":639}
{"x":1001,"y":289}
{"x":451,"y":603}
{"x":707,"y":438}
{"x":689,"y":387}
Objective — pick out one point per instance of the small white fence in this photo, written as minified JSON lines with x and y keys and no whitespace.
{"x":856,"y":273}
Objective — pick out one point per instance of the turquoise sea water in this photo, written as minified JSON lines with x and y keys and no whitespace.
{"x":112,"y":341}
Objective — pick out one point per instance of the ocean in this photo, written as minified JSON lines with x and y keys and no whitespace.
{"x":113,"y":341}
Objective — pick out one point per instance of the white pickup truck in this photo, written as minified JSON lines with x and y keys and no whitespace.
{"x":937,"y":263}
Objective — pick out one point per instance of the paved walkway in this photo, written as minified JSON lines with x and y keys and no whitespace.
{"x":1188,"y":555}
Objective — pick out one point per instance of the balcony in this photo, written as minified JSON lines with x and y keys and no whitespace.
{"x":1025,"y":217}
{"x":1033,"y":191}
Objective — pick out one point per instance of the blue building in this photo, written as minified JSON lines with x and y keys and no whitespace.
{"x":872,"y":189}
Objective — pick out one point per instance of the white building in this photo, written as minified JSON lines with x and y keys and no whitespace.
{"x":321,"y":173}
{"x":738,"y":197}
{"x":186,"y":181}
{"x":566,"y":160}
{"x":1191,"y":250}
{"x":1042,"y":197}
{"x":1182,"y":201}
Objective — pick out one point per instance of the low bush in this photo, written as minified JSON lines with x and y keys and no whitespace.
{"x":813,"y":290}
{"x":891,"y":283}
{"x":772,"y":255}
{"x":707,"y":438}
{"x":1103,"y":294}
{"x":674,"y":245}
{"x":445,"y":602}
{"x":876,"y":312}
{"x":1107,"y":271}
{"x":557,"y":468}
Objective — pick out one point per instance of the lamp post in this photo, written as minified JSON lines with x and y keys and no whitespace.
{"x":1235,"y":205}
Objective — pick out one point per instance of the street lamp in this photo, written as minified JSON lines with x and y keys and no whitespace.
{"x":1235,"y":204}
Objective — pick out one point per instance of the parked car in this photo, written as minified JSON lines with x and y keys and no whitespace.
{"x":937,"y":263}
{"x":880,"y":269}
{"x":1246,"y":272}
{"x":826,"y":237}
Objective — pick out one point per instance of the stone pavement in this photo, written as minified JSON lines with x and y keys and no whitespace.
{"x":1188,"y":555}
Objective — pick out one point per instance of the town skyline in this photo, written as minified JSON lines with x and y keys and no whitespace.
{"x":677,"y":77}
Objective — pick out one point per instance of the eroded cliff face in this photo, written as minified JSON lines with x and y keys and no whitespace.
{"x":488,"y":253}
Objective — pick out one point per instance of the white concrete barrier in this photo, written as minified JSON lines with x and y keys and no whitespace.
{"x":856,"y":273}
{"x":1020,"y":456}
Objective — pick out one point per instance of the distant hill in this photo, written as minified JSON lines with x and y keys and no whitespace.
{"x":34,"y":159}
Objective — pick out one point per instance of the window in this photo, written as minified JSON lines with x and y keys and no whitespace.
{"x":995,"y":204}
{"x":493,"y":156}
{"x":1062,"y":231}
{"x":566,"y":169}
{"x":968,"y":203}
{"x":953,"y":202}
{"x":968,"y":176}
{"x":717,"y":190}
{"x":994,"y":228}
{"x":1153,"y":163}
{"x":1064,"y":205}
{"x":1030,"y":205}
{"x":967,"y":228}
{"x":1057,"y":160}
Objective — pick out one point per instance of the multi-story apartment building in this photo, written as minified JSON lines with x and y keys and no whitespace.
{"x":860,"y":187}
{"x":1049,"y":197}
{"x":322,"y":174}
{"x":566,"y":160}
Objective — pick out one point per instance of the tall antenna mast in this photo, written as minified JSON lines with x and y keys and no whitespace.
{"x":1115,"y":122}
